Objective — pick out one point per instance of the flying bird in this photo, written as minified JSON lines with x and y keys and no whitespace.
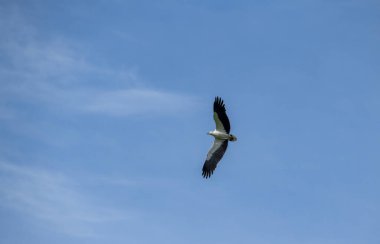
{"x":222,"y":136}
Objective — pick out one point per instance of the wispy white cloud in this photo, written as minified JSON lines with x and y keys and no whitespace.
{"x":53,"y":199}
{"x":138,"y":101}
{"x":54,"y":73}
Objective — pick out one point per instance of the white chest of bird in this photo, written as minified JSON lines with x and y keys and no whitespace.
{"x":219,"y":135}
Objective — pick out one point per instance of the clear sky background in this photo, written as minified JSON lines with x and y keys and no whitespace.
{"x":105,"y":106}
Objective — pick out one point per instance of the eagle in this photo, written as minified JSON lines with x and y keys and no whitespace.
{"x":222,"y":136}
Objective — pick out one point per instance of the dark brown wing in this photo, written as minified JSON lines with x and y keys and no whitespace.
{"x":221,"y":119}
{"x":214,"y":155}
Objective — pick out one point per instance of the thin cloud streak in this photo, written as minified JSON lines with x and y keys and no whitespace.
{"x":54,"y":74}
{"x":53,"y":199}
{"x":138,"y":101}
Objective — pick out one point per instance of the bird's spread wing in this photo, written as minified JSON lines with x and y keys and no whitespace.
{"x":221,"y":120}
{"x":214,"y":156}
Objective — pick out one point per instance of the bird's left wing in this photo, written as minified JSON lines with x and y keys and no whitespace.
{"x":214,"y":155}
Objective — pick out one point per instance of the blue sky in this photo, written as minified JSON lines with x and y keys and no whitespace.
{"x":105,"y":105}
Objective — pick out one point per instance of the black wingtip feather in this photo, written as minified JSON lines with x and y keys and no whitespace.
{"x":219,"y":104}
{"x":207,"y":172}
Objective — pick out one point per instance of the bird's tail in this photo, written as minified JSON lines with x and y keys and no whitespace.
{"x":232,"y":138}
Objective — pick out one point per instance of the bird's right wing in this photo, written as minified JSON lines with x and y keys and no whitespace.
{"x":220,"y":116}
{"x":214,"y":155}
